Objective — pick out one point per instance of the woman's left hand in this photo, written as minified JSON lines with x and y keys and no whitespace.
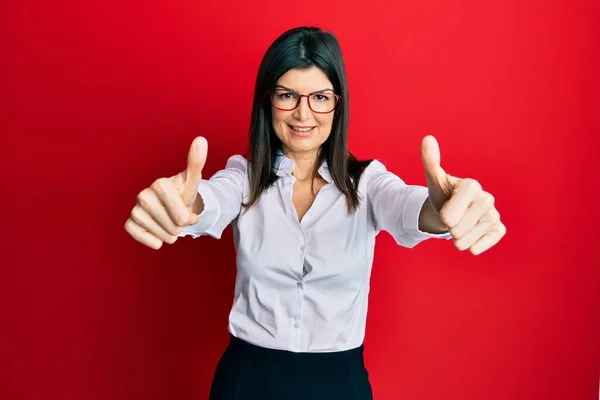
{"x":461,"y":203}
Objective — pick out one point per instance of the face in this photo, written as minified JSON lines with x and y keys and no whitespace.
{"x":302,"y":131}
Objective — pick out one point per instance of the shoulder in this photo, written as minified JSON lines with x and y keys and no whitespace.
{"x":235,"y":169}
{"x":375,"y":168}
{"x":377,"y":176}
{"x":363,"y":172}
{"x":237,"y":162}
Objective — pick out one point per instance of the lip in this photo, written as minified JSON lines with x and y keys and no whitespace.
{"x":301,"y":134}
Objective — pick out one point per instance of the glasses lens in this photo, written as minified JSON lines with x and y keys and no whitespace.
{"x":319,"y":102}
{"x":284,"y":99}
{"x":322,"y":102}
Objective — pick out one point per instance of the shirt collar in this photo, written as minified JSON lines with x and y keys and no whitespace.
{"x":284,"y":166}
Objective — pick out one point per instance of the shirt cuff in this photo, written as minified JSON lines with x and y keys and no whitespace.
{"x":208,"y":217}
{"x":410,"y":216}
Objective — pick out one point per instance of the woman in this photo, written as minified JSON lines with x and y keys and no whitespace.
{"x":305,"y":213}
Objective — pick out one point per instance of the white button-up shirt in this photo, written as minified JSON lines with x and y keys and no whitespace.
{"x":304,"y":286}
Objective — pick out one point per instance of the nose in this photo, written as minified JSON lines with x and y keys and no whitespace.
{"x":302,"y":112}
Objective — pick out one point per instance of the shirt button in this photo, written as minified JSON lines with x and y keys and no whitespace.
{"x":302,"y":248}
{"x":300,"y":285}
{"x":297,"y":324}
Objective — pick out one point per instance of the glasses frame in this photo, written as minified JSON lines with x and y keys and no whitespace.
{"x":300,"y":96}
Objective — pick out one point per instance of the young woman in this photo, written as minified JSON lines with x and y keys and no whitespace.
{"x":305,"y":213}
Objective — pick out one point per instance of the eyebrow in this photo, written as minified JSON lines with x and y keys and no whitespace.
{"x":295,"y":91}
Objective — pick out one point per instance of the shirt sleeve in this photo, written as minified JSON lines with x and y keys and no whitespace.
{"x":395,"y":206}
{"x":222,"y":195}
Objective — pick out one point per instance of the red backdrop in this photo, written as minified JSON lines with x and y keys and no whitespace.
{"x":98,"y":100}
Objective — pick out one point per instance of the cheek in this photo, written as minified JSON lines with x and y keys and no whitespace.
{"x":278,"y":121}
{"x":275,"y":117}
{"x":325,"y":122}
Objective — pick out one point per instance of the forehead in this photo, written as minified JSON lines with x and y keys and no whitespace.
{"x":305,"y":80}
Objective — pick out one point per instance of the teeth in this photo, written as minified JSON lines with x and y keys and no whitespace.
{"x":301,"y":129}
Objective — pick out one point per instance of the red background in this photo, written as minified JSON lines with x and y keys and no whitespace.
{"x":98,"y":100}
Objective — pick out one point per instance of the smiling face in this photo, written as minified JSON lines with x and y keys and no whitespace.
{"x":302,"y":131}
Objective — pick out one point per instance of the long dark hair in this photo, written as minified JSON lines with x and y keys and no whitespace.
{"x":303,"y":48}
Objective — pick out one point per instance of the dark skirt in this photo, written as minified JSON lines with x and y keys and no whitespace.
{"x":250,"y":372}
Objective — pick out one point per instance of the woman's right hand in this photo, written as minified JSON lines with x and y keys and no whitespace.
{"x":169,"y":204}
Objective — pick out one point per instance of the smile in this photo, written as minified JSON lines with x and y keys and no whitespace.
{"x":301,"y":131}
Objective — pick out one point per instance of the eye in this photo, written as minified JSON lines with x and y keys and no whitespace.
{"x":285,"y":95}
{"x":322,"y":97}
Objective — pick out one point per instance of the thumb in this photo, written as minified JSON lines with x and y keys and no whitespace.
{"x":193,"y":173}
{"x":430,"y":155}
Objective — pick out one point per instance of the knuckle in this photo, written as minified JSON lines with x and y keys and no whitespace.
{"x":171,"y":239}
{"x":446,"y":218}
{"x":158,"y":184}
{"x":128,"y":224}
{"x":171,"y":230}
{"x":496,"y":216}
{"x":489,"y":219}
{"x":133,"y":230}
{"x":502,"y":229}
{"x":455,"y":232}
{"x":136,"y":213}
{"x":143,"y":198}
{"x":474,"y":184}
{"x":162,"y":186}
{"x":180,"y":220}
{"x":459,"y":245}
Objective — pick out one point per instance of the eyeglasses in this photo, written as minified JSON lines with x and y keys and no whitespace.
{"x":318,"y":102}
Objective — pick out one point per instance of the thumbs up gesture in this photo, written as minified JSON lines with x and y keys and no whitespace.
{"x":169,"y":204}
{"x":460,"y":204}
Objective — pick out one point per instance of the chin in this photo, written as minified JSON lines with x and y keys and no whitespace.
{"x":302,"y":143}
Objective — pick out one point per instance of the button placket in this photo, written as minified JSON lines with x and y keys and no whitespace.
{"x":300,"y":286}
{"x":302,"y":260}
